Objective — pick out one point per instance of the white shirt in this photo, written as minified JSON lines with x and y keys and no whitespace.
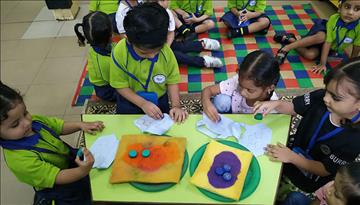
{"x":171,"y":20}
{"x":120,"y":15}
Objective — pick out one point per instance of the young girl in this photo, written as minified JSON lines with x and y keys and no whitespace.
{"x":37,"y":156}
{"x":143,"y":67}
{"x":107,"y":6}
{"x":328,"y":134}
{"x":246,"y":16}
{"x":344,"y":190}
{"x":193,"y":16}
{"x":326,"y":37}
{"x":182,"y":48}
{"x":124,"y":7}
{"x":97,"y":32}
{"x":257,"y":77}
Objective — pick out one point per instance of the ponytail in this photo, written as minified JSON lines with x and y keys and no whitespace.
{"x":81,"y":38}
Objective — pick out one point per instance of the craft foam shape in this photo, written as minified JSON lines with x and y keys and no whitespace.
{"x":202,"y":180}
{"x":163,"y":165}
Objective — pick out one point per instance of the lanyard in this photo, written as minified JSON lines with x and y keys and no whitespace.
{"x":199,"y":8}
{"x":327,"y":135}
{"x":341,"y":24}
{"x":131,"y":7}
{"x":251,"y":2}
{"x":338,"y":41}
{"x":132,"y":52}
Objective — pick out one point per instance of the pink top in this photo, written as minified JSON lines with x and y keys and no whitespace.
{"x":321,"y":193}
{"x":238,"y":103}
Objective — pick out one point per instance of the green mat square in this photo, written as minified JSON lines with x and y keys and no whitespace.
{"x":238,"y":40}
{"x":305,"y":83}
{"x":194,"y":87}
{"x":214,"y":35}
{"x":86,"y":90}
{"x":296,"y":21}
{"x":273,"y":17}
{"x":297,"y":66}
{"x":278,"y":27}
{"x":302,"y":32}
{"x":263,"y":45}
{"x":290,"y":12}
{"x":241,"y":53}
{"x":220,"y":77}
{"x":194,"y":70}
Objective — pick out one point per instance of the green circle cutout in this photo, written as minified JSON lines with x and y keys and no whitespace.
{"x":149,"y":187}
{"x":251,"y":181}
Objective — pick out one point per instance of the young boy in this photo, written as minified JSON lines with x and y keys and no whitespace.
{"x":332,"y":36}
{"x":143,"y":69}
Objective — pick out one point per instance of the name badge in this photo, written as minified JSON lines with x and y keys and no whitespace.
{"x":252,"y":3}
{"x":348,"y":40}
{"x":159,"y":79}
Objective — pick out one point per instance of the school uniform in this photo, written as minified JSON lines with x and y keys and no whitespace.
{"x":32,"y":165}
{"x":107,"y":6}
{"x":332,"y":150}
{"x":232,"y":21}
{"x":196,"y":7}
{"x":124,"y":7}
{"x":98,"y":67}
{"x":149,"y":76}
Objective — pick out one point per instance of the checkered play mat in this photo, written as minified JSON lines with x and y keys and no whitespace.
{"x":295,"y":72}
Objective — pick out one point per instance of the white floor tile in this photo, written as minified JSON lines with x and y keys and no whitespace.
{"x":45,"y":15}
{"x":43,"y":29}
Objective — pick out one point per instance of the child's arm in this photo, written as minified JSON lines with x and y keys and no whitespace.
{"x":89,"y":127}
{"x":355,"y":51}
{"x":235,"y":11}
{"x":182,"y":13}
{"x":208,"y":107}
{"x":176,"y":113}
{"x":67,"y":176}
{"x":148,"y":107}
{"x":280,"y":106}
{"x":195,"y":19}
{"x":170,"y":37}
{"x":324,"y":55}
{"x":283,"y":154}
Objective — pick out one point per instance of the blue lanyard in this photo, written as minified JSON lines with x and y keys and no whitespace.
{"x":132,"y":52}
{"x":327,"y":135}
{"x":338,"y":42}
{"x":246,"y":5}
{"x":199,"y":8}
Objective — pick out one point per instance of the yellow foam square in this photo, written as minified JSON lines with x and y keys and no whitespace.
{"x":163,"y":165}
{"x":213,"y":150}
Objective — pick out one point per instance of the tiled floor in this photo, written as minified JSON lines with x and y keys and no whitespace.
{"x":40,"y":57}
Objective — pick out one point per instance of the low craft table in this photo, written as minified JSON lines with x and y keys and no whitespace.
{"x":184,"y":192}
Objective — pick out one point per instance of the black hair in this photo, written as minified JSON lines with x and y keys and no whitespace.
{"x":9,"y":98}
{"x":350,"y":188}
{"x":347,"y":71}
{"x":97,"y":29}
{"x":146,"y":25}
{"x":261,"y":67}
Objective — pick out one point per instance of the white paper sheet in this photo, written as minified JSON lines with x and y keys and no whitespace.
{"x":104,"y":150}
{"x":150,"y":125}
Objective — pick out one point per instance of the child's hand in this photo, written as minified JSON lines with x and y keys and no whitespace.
{"x":192,"y":19}
{"x":86,"y":164}
{"x":211,"y":112}
{"x":331,"y":198}
{"x":178,"y":115}
{"x":92,"y":127}
{"x":318,"y":68}
{"x":152,"y":110}
{"x":246,"y":15}
{"x":264,"y":107}
{"x":279,"y":152}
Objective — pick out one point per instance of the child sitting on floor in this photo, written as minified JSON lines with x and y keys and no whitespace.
{"x":37,"y":156}
{"x":143,"y":67}
{"x":326,"y":37}
{"x":182,"y":48}
{"x":246,"y":16}
{"x":97,"y":32}
{"x":257,"y":77}
{"x":328,"y":134}
{"x":192,"y":16}
{"x":344,"y":190}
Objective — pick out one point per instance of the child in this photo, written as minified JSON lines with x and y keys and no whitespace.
{"x":181,"y":48}
{"x":124,"y":7}
{"x":37,"y":156}
{"x":246,"y":16}
{"x":341,"y":31}
{"x":143,"y":67}
{"x":193,"y":16}
{"x":97,"y":32}
{"x":328,"y":134}
{"x":344,"y":190}
{"x":257,"y":77}
{"x":107,"y":6}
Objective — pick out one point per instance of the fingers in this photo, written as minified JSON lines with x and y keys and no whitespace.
{"x":178,"y":115}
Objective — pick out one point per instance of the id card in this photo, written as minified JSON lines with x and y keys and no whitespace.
{"x":149,"y":96}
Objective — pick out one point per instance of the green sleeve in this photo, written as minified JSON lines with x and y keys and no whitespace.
{"x":55,"y":124}
{"x":118,"y":78}
{"x":93,"y":5}
{"x":208,"y":7}
{"x":174,"y":74}
{"x":231,"y":4}
{"x":357,"y":36}
{"x":30,"y":169}
{"x":260,"y":5}
{"x":330,"y":25}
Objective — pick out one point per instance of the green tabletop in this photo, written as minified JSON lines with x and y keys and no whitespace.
{"x":184,"y":192}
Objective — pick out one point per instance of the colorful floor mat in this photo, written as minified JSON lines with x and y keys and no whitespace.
{"x":295,"y":72}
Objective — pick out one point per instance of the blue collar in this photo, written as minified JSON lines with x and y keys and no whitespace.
{"x":135,"y":56}
{"x":102,"y":51}
{"x":26,"y":141}
{"x":350,"y":26}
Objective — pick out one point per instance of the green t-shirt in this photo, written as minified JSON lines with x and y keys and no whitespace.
{"x":98,"y":67}
{"x":239,"y":4}
{"x":165,"y":71}
{"x":40,"y":169}
{"x":190,"y":6}
{"x":352,"y":37}
{"x":106,"y":6}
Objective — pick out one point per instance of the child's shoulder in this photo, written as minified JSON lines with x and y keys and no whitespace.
{"x":52,"y":122}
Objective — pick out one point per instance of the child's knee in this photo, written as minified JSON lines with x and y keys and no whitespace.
{"x":311,"y":55}
{"x":265,"y":22}
{"x":319,"y":37}
{"x":222,"y":103}
{"x":209,"y":23}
